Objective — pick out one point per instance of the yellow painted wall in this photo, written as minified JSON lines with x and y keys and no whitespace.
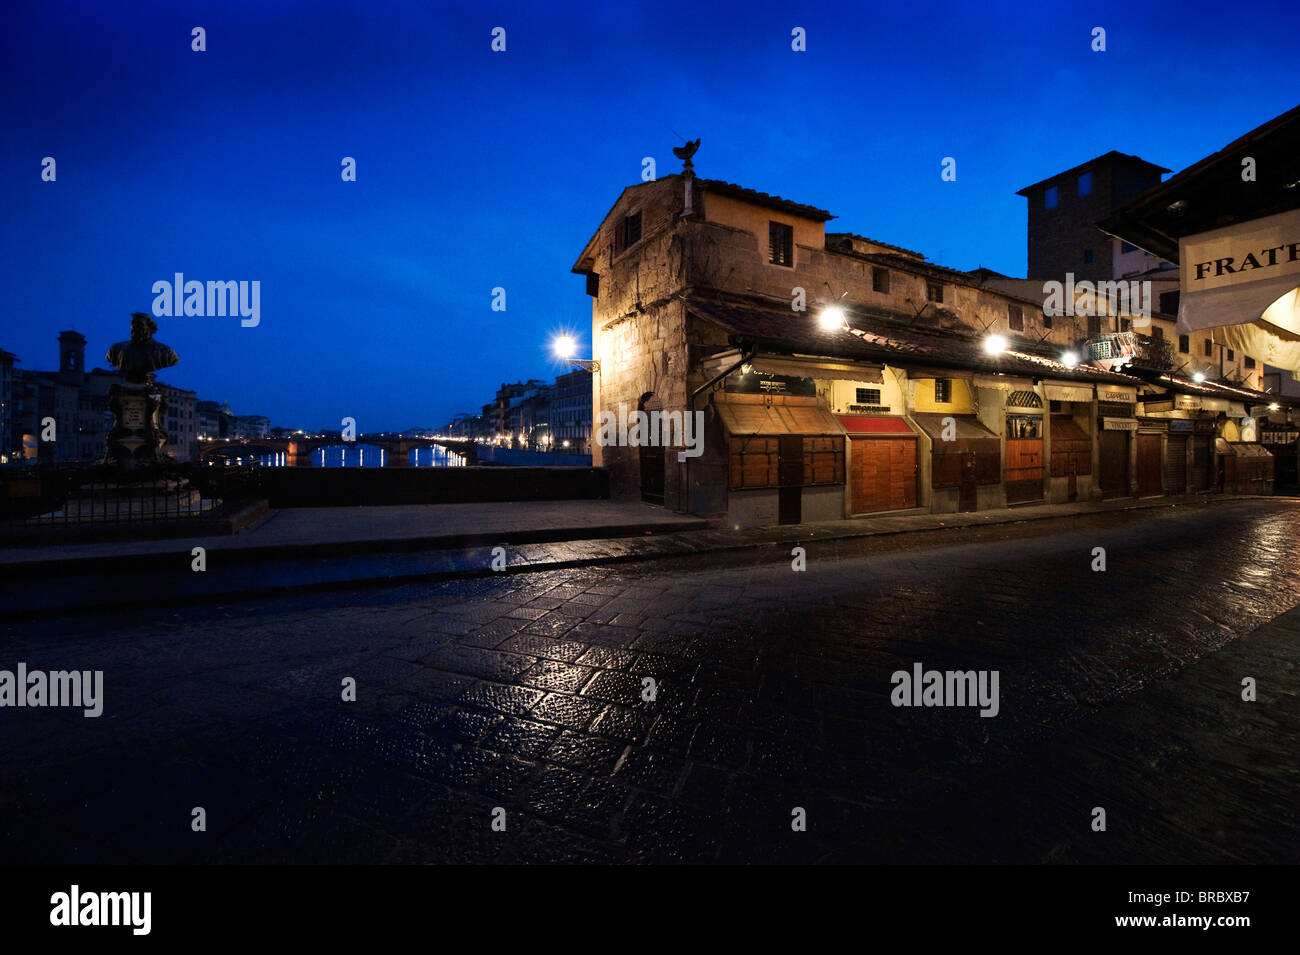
{"x":923,"y":397}
{"x":752,"y":218}
{"x":844,"y":393}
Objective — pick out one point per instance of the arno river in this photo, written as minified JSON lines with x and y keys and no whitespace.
{"x":361,"y":456}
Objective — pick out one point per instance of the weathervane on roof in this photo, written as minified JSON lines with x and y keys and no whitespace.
{"x":684,"y":153}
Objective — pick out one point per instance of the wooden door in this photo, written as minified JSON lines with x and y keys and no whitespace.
{"x":790,"y":471}
{"x":1202,"y":461}
{"x":1149,"y":475}
{"x":882,"y":475}
{"x":1176,"y":464}
{"x":968,"y":499}
{"x":1113,"y":469}
{"x":1024,"y":470}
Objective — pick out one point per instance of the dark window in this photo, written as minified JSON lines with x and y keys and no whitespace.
{"x":1087,"y":256}
{"x":868,"y":396}
{"x":1157,"y":333}
{"x":1230,"y":355}
{"x":879,"y":280}
{"x":1094,"y":326}
{"x":1015,"y":318}
{"x":1049,"y":198}
{"x":1169,"y":303}
{"x":1250,"y":362}
{"x":1127,"y":247}
{"x":631,"y":230}
{"x":1124,"y":324}
{"x":1085,"y":184}
{"x":934,"y":291}
{"x":1209,"y":348}
{"x":1047,"y":321}
{"x":943,"y":390}
{"x":780,"y":243}
{"x":1184,"y":343}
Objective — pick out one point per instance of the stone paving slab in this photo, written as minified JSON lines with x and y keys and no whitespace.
{"x":102,"y":577}
{"x":524,"y":692}
{"x":302,"y":530}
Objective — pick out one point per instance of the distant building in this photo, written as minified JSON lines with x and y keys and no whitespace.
{"x":73,"y":401}
{"x":251,"y":426}
{"x":10,"y":440}
{"x":213,"y":423}
{"x":181,"y":423}
{"x":571,"y":413}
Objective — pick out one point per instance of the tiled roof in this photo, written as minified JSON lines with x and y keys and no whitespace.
{"x":1212,"y":389}
{"x":864,"y":238}
{"x":718,"y":187}
{"x":877,"y":335}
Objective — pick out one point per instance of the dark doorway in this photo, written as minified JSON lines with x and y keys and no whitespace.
{"x":651,"y":458}
{"x":1114,"y":464}
{"x":790,"y":469}
{"x":1176,"y":464}
{"x":968,"y":498}
{"x":1149,"y":474}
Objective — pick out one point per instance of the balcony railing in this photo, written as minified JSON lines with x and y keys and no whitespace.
{"x":1116,"y":349}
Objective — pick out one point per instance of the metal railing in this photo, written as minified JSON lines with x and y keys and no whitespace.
{"x":44,"y":499}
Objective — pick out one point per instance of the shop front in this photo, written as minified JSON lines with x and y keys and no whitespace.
{"x":1024,"y":447}
{"x":965,"y":462}
{"x":1281,"y":438}
{"x":1203,"y":477}
{"x":1149,"y":470}
{"x":883,"y":463}
{"x":1069,"y":438}
{"x":1176,"y":455}
{"x":1116,"y":429}
{"x":785,"y":459}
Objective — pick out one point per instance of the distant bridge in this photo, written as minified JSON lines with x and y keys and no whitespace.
{"x":298,"y":450}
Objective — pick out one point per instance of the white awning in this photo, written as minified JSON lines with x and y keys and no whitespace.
{"x":799,"y":366}
{"x":1244,"y":281}
{"x":1060,"y":391}
{"x":1122,"y":393}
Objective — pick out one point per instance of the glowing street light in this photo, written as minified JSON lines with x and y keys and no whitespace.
{"x":995,"y":345}
{"x":564,"y":347}
{"x":1070,"y":359}
{"x":1274,"y":406}
{"x":1198,"y":377}
{"x":832,"y":318}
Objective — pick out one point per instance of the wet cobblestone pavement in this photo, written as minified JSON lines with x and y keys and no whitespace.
{"x":772,"y":692}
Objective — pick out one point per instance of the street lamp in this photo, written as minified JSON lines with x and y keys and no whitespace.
{"x":1070,"y":359}
{"x":995,"y":345}
{"x":564,"y":347}
{"x":1198,"y":377}
{"x":832,"y":319}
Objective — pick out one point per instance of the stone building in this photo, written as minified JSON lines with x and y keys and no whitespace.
{"x":76,"y":401}
{"x":181,"y":422}
{"x":835,"y":374}
{"x":571,"y":413}
{"x":10,"y":439}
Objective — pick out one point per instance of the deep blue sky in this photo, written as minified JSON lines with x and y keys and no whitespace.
{"x":478,"y":169}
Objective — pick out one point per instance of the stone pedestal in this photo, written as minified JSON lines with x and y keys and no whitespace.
{"x":154,"y":500}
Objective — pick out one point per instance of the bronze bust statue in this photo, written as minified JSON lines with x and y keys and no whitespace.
{"x":140,"y":357}
{"x":137,"y":439}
